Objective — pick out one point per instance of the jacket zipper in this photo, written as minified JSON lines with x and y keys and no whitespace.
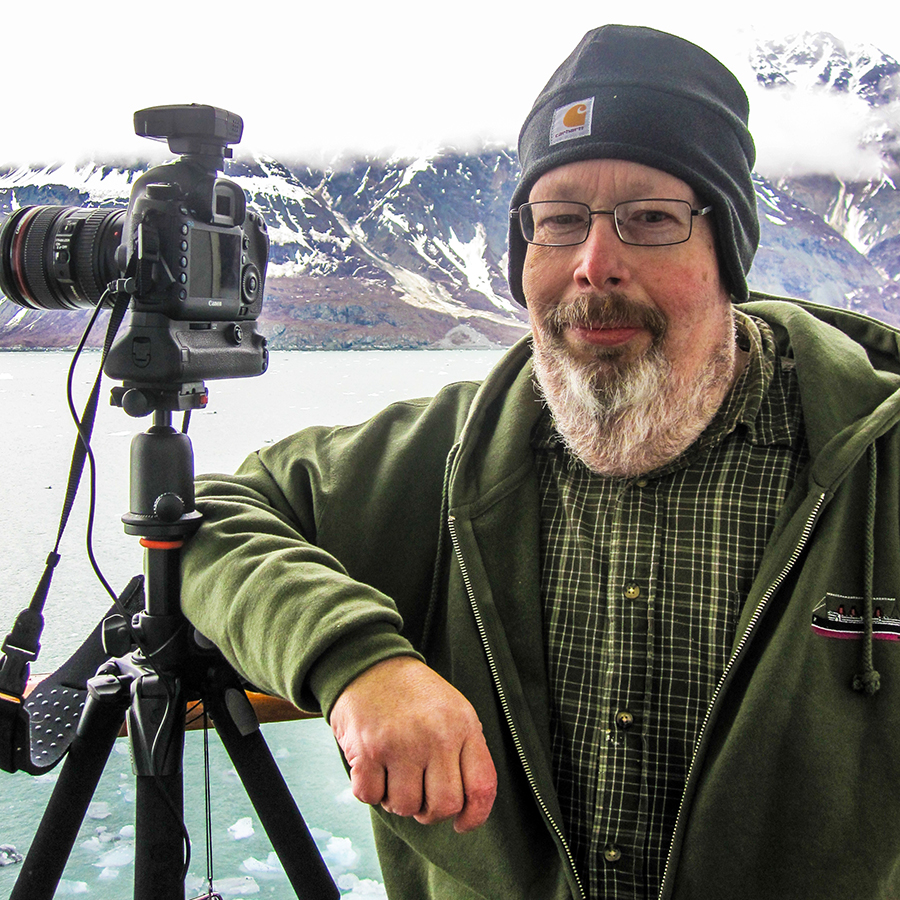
{"x":501,"y":693}
{"x":732,"y":662}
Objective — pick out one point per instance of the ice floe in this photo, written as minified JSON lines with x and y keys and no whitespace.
{"x":240,"y":886}
{"x":355,"y":888}
{"x":9,"y":856}
{"x":120,"y":855}
{"x":269,"y":868}
{"x":242,"y":829}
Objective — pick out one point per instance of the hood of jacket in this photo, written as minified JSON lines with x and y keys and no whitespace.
{"x":848,"y":368}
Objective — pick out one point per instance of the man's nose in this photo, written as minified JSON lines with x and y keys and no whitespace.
{"x":601,"y":258}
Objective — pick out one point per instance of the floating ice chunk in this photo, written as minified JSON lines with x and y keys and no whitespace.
{"x":121,"y":855}
{"x":66,"y":888}
{"x":242,"y":829}
{"x":282,"y":753}
{"x":339,"y":852}
{"x":236,"y":887}
{"x":100,"y":837}
{"x":359,"y":888}
{"x":108,"y":874}
{"x":345,"y":797}
{"x":193,"y":884}
{"x":99,"y":809}
{"x":9,"y":856}
{"x":126,"y":832}
{"x":269,"y":867}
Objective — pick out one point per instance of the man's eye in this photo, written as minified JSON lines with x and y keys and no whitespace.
{"x":650,"y":217}
{"x":565,"y":220}
{"x":561,"y":223}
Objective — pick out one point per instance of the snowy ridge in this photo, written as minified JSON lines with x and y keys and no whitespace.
{"x":819,"y":61}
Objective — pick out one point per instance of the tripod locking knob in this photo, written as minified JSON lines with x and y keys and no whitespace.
{"x":168,"y":507}
{"x":116,"y":636}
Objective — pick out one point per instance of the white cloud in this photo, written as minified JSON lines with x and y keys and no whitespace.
{"x":803,"y":132}
{"x":311,"y":80}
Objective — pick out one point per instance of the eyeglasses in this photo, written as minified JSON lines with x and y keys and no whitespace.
{"x":644,"y":223}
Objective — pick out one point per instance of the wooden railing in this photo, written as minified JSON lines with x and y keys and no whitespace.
{"x":267,"y":708}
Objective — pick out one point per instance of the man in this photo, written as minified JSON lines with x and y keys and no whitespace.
{"x":573,"y":627}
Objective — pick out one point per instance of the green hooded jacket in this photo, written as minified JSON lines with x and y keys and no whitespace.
{"x":417,"y":533}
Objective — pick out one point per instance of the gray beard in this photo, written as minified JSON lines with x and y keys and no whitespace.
{"x":628,"y":419}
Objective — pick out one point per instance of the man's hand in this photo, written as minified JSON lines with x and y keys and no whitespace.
{"x":414,"y":744}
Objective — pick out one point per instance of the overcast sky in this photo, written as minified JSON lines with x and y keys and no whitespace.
{"x":313,"y":79}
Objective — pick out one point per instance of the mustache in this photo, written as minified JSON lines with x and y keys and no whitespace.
{"x":613,"y":310}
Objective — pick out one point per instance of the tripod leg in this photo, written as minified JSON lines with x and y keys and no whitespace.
{"x":98,"y":729}
{"x":239,"y":731}
{"x":156,"y":728}
{"x":159,"y":841}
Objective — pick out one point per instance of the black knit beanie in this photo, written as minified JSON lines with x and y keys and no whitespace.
{"x":642,"y":95}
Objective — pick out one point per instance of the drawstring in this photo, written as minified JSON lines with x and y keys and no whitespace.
{"x":869,"y":680}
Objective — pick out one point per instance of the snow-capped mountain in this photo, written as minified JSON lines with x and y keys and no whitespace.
{"x":866,"y":213}
{"x":412,"y":252}
{"x":382,"y":253}
{"x":821,"y":61}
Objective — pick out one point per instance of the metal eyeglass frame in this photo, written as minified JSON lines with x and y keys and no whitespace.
{"x":516,"y":214}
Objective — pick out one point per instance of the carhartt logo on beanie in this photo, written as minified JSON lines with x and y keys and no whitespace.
{"x":643,"y":95}
{"x":572,"y":121}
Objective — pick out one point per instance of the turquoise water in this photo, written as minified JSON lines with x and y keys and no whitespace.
{"x":299,"y":389}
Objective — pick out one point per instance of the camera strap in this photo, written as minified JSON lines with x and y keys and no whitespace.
{"x":22,"y":645}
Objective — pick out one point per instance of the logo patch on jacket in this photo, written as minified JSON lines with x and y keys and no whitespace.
{"x":841,"y":617}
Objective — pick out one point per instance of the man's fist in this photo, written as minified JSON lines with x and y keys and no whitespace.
{"x":414,"y":745}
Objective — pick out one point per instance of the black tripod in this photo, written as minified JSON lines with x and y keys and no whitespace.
{"x":156,"y":668}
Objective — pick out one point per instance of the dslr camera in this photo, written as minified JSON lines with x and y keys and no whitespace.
{"x":188,"y":253}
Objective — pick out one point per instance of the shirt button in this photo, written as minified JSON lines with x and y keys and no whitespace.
{"x":624,"y":719}
{"x":642,"y":482}
{"x":632,"y":591}
{"x":611,"y":853}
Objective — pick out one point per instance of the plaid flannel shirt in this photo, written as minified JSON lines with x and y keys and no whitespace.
{"x":643,"y":580}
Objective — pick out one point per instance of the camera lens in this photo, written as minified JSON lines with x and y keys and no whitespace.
{"x":59,"y":257}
